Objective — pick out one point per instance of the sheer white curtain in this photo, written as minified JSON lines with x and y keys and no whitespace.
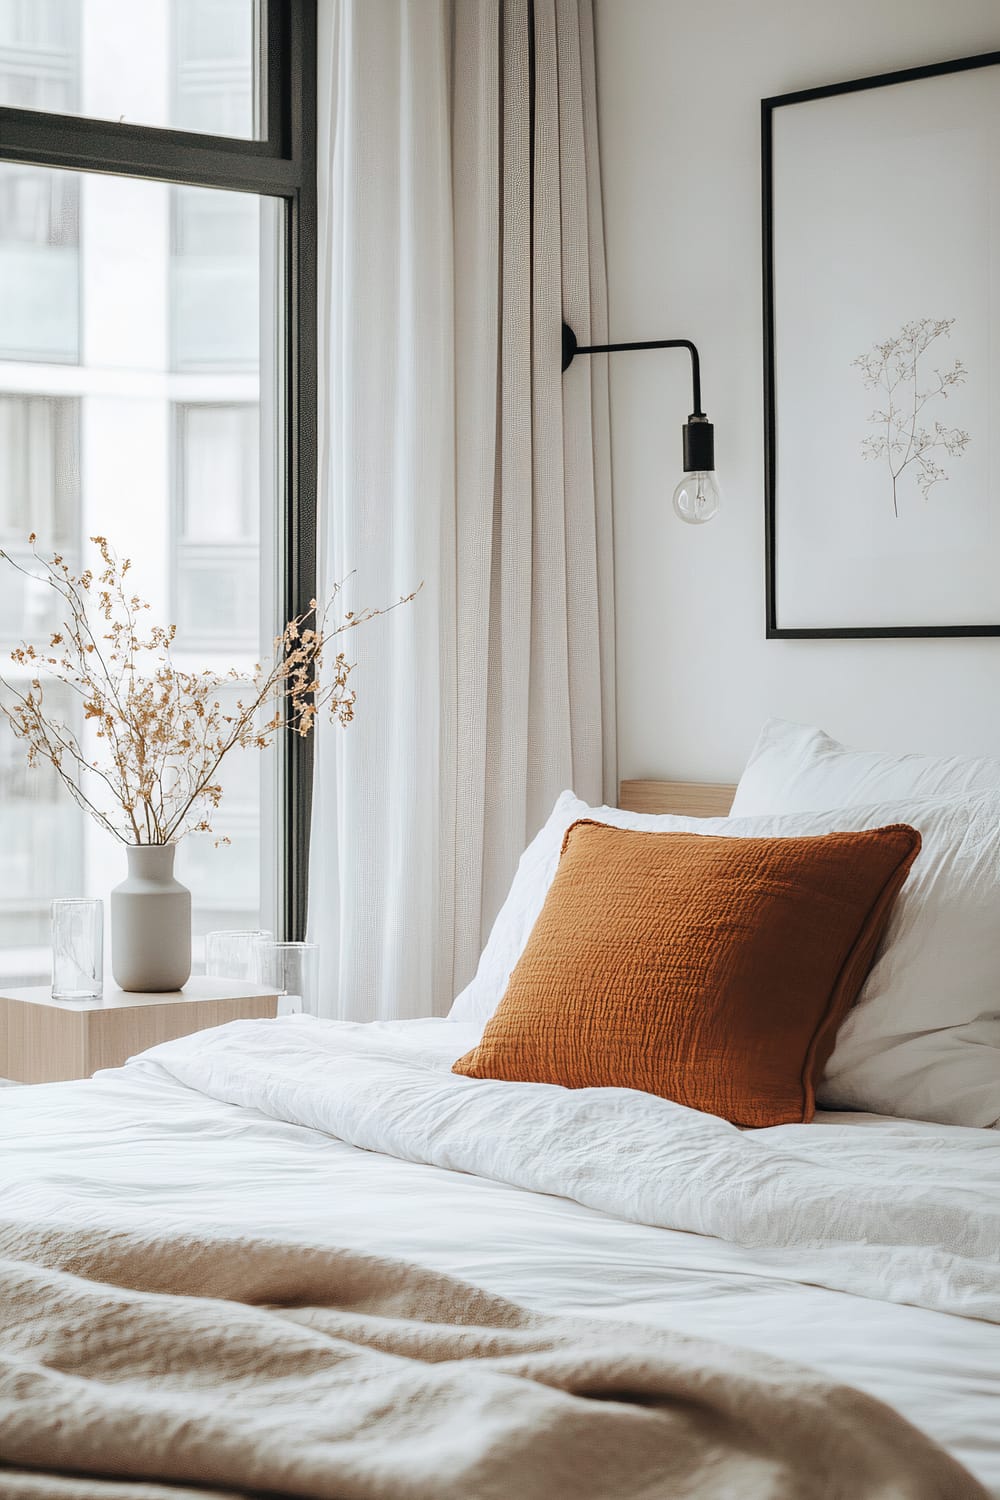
{"x":460,"y":217}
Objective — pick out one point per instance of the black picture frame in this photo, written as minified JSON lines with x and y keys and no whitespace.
{"x":774,"y":630}
{"x":281,"y":164}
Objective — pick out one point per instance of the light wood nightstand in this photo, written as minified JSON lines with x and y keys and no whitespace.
{"x":44,"y":1040}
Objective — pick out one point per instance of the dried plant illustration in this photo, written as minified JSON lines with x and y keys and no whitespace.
{"x":142,"y":751}
{"x":906,"y":436}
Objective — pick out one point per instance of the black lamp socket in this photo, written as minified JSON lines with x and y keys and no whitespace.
{"x":699,"y":445}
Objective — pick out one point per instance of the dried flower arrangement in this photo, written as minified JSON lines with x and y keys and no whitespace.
{"x":146,"y":765}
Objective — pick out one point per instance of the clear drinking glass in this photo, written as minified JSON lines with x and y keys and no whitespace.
{"x":234,"y":954}
{"x":77,"y":949}
{"x":293,"y":970}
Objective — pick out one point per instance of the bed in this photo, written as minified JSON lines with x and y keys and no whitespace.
{"x":269,"y":1130}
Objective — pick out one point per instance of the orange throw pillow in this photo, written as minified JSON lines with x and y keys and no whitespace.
{"x":710,"y":970}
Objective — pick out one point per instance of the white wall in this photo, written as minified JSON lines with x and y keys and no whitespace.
{"x":679,"y":92}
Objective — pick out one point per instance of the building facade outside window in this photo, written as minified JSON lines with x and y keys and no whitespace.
{"x":213,"y":76}
{"x":217,"y":520}
{"x":40,"y":55}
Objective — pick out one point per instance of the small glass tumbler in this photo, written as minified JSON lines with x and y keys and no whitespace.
{"x":234,"y":955}
{"x":77,"y":949}
{"x":293,"y":970}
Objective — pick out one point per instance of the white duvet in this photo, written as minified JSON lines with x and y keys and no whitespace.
{"x":892,"y":1220}
{"x":868,"y":1247}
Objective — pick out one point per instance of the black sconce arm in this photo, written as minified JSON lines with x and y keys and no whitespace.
{"x":570,"y":348}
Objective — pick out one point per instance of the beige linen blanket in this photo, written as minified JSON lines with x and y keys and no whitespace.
{"x":150,"y":1367}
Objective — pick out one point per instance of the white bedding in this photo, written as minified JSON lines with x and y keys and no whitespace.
{"x":159,"y":1141}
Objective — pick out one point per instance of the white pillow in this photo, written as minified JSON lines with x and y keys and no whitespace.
{"x":923,"y":1040}
{"x":517,"y":916}
{"x":796,"y":769}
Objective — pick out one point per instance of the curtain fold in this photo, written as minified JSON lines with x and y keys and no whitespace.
{"x":460,"y":218}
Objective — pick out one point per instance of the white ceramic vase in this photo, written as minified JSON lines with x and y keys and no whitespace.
{"x":150,"y":923}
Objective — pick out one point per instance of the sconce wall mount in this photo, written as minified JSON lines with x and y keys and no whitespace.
{"x":696,"y":498}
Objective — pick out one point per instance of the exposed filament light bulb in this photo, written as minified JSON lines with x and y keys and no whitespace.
{"x":696,"y":498}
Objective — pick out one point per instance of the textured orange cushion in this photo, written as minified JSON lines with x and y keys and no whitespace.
{"x":714,"y":971}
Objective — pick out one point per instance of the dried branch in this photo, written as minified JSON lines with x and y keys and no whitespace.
{"x":161,"y":733}
{"x":903,"y":439}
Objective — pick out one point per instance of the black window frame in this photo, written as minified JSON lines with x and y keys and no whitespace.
{"x":279,"y":164}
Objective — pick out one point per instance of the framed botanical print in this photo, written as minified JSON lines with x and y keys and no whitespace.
{"x":881,"y":217}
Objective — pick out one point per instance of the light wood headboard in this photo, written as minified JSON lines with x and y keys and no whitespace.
{"x":685,"y":799}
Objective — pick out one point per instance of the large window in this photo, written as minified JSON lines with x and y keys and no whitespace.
{"x":157,"y":378}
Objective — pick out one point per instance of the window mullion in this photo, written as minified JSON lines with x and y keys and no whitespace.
{"x":134,"y":151}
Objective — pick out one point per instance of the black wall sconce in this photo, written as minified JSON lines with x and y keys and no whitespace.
{"x":696,"y":498}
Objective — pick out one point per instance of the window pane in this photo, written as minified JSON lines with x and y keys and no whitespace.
{"x":39,"y":263}
{"x":40,"y":55}
{"x":39,"y":467}
{"x":182,"y":64}
{"x":218,"y":507}
{"x":220,"y":473}
{"x":213,"y":82}
{"x":214,"y":280}
{"x":165,"y":461}
{"x":39,"y":490}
